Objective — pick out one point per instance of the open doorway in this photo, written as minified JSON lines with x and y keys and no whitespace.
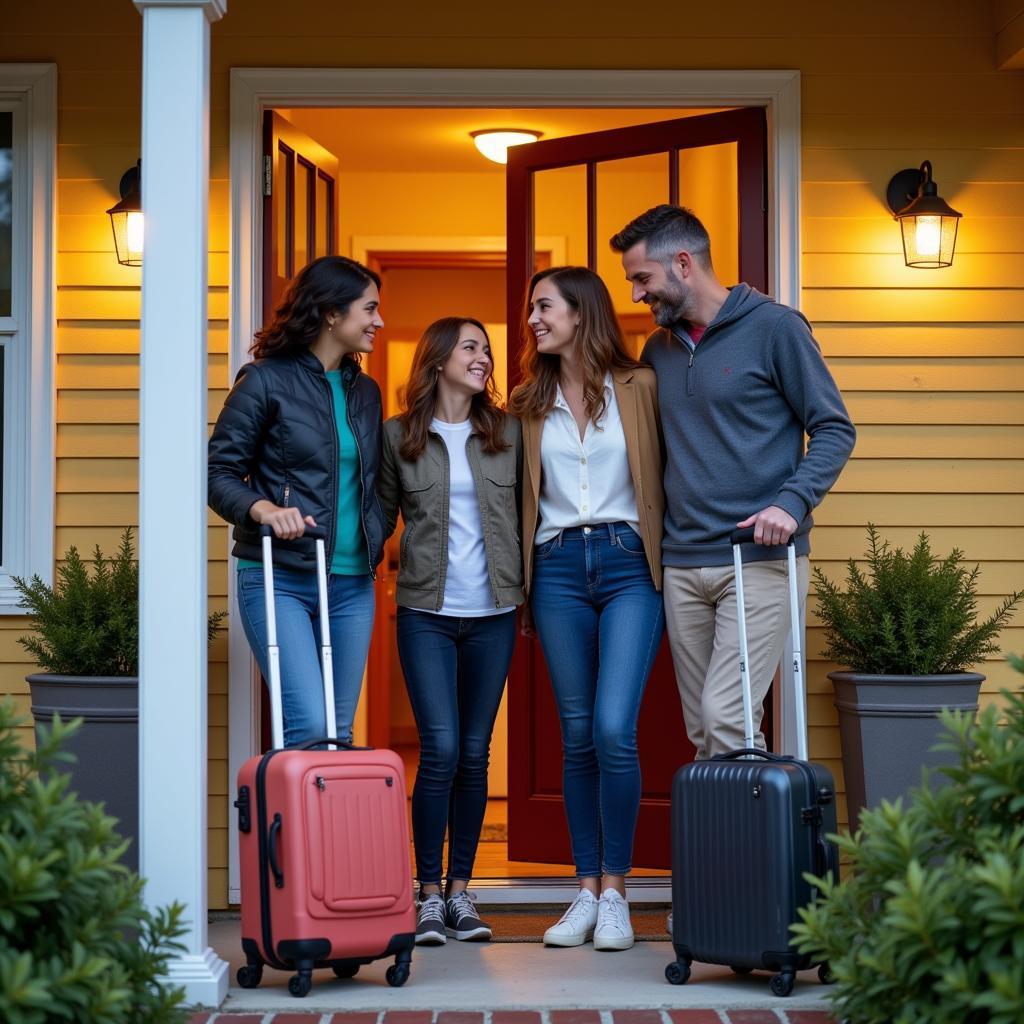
{"x":399,"y":200}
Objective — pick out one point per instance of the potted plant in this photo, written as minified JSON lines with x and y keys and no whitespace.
{"x":926,"y":925}
{"x":907,"y":628}
{"x":86,"y":640}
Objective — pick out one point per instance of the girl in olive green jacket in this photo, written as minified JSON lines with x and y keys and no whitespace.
{"x":451,"y":464}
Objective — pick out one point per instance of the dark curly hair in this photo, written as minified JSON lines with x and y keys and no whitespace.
{"x":329,"y":284}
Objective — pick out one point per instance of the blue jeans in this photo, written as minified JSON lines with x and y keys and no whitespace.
{"x":455,"y":671}
{"x":350,"y":612}
{"x":600,"y":621}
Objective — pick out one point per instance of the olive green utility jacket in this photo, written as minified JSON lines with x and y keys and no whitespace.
{"x":420,"y":491}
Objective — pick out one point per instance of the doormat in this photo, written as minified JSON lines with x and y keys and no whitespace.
{"x":530,"y":925}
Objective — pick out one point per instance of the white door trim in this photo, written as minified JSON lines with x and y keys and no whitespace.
{"x":254,"y":90}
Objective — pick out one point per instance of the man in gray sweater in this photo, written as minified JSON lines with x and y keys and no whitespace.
{"x":741,"y":383}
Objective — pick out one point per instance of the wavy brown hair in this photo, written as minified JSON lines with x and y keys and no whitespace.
{"x":420,"y":399}
{"x":329,"y":284}
{"x":599,"y":345}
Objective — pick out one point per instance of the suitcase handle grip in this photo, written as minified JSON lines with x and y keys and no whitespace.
{"x":316,"y":532}
{"x":272,"y":838}
{"x":334,"y":741}
{"x":746,"y":536}
{"x":735,"y":755}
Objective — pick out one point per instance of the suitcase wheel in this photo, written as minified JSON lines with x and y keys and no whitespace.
{"x":299,"y":985}
{"x":397,"y":975}
{"x":677,"y":973}
{"x":344,"y":970}
{"x":825,"y":975}
{"x":741,"y":971}
{"x":782,"y":984}
{"x":250,"y":975}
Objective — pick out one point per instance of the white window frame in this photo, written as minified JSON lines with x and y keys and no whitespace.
{"x":30,"y":92}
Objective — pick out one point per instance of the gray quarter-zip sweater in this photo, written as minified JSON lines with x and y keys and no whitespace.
{"x":735,"y":409}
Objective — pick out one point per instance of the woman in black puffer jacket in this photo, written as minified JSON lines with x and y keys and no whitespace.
{"x":298,"y":444}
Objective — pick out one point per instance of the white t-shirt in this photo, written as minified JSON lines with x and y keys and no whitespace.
{"x":467,"y":586}
{"x":584,"y":482}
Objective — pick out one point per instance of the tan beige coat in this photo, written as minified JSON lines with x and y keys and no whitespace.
{"x":636,"y":393}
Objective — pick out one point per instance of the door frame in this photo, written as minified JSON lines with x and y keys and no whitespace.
{"x":254,"y":90}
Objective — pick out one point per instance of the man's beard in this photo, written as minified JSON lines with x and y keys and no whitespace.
{"x":675,"y":303}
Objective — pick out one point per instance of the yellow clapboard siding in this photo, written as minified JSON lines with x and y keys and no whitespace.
{"x":941,"y":373}
{"x":108,"y":510}
{"x":117,"y":406}
{"x":897,"y":132}
{"x":119,"y":372}
{"x":881,"y":234}
{"x":935,"y":407}
{"x":11,"y":652}
{"x":907,"y":441}
{"x":877,"y":164}
{"x":1011,"y":639}
{"x":888,"y":270}
{"x":898,"y":509}
{"x":97,"y":440}
{"x":83,"y":196}
{"x":85,"y":538}
{"x":95,"y":475}
{"x":117,"y":125}
{"x":112,"y":337}
{"x":217,"y":888}
{"x":110,"y":162}
{"x":993,"y":543}
{"x":862,"y":304}
{"x":996,"y":580}
{"x":101,"y":88}
{"x":956,"y":96}
{"x":958,"y":476}
{"x":122,"y":303}
{"x":911,"y":340}
{"x":860,"y":199}
{"x":98,"y":270}
{"x":91,"y":233}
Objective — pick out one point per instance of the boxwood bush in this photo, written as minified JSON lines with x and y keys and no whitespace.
{"x":928,"y":925}
{"x":76,"y":942}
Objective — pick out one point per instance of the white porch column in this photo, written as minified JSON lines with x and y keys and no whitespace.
{"x":172,"y":475}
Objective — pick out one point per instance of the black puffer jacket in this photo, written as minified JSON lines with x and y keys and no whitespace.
{"x":276,"y":439}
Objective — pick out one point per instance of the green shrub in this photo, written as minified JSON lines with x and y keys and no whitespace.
{"x":908,"y":614}
{"x":928,"y":926}
{"x":88,"y":625}
{"x":76,"y":943}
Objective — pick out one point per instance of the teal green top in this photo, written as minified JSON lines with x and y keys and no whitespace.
{"x":349,"y":557}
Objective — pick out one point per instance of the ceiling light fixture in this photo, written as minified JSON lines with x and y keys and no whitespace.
{"x":494,"y":142}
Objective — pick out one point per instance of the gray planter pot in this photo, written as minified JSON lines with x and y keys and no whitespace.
{"x":106,"y":747}
{"x":888,"y":726}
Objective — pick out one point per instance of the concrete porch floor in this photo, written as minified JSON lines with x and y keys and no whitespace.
{"x":515,"y":975}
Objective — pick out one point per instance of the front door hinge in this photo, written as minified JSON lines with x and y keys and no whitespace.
{"x":268,"y":175}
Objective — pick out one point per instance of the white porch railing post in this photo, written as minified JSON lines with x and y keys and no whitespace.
{"x":172,"y":476}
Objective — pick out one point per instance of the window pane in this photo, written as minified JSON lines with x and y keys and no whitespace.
{"x":303,"y":208}
{"x":6,"y":168}
{"x":282,"y":211}
{"x":708,"y":185}
{"x":560,"y":213}
{"x":625,"y":188}
{"x":324,"y":214}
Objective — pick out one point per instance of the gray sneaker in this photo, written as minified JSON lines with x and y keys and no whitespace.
{"x":430,"y":921}
{"x":462,"y":921}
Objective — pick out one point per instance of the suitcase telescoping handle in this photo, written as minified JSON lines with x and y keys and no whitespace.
{"x":745,"y":536}
{"x":273,"y":653}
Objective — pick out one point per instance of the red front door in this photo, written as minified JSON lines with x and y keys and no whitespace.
{"x":584,"y":189}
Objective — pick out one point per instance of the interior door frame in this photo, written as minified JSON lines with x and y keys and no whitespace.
{"x":254,"y":90}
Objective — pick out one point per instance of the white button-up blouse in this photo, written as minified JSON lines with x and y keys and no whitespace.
{"x":584,"y":482}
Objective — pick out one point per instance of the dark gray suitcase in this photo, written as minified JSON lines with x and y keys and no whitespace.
{"x":746,"y":827}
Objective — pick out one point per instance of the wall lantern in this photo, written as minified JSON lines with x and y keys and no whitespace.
{"x":126,"y":218}
{"x":927,"y":221}
{"x":494,"y":142}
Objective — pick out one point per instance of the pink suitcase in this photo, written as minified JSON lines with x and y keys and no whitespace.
{"x":326,"y":875}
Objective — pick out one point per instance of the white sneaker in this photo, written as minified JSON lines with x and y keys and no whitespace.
{"x":613,"y":929}
{"x":576,"y":925}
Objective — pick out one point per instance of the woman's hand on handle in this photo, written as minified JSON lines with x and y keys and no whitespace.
{"x":287,"y":523}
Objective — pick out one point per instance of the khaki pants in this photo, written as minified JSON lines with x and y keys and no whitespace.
{"x":700,"y":612}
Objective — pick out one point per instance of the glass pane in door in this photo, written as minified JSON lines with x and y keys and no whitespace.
{"x":708,"y":185}
{"x":283,"y":185}
{"x":626,"y":188}
{"x":304,"y":186}
{"x":324,"y":215}
{"x":560,"y":214}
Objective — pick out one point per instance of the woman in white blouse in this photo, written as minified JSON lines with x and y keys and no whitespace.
{"x":592,"y":520}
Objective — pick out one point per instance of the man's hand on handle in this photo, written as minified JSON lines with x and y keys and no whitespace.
{"x":772,"y":525}
{"x":287,"y":523}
